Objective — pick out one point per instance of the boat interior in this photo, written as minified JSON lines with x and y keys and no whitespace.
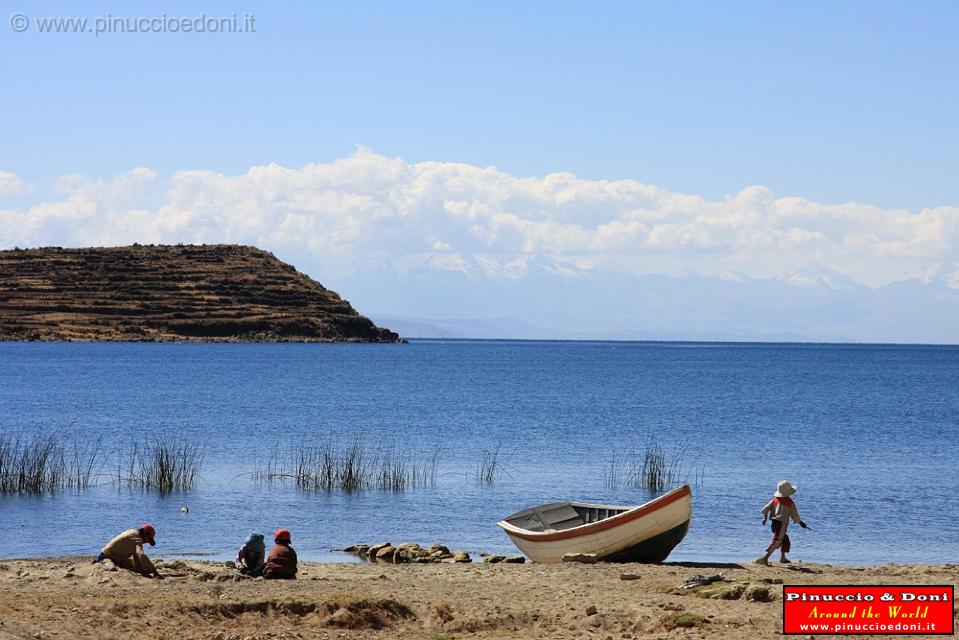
{"x":563,"y":515}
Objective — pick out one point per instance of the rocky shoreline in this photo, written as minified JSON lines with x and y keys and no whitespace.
{"x":413,"y":553}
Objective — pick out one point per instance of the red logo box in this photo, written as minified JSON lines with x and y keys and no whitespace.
{"x":876,"y":610}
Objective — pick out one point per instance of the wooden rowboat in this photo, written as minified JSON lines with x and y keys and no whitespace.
{"x":612,"y":533}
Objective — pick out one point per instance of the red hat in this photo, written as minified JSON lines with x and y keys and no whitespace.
{"x":282,"y":535}
{"x":149,"y":534}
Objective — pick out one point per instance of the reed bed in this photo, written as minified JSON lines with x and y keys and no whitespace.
{"x":47,"y":464}
{"x":161,"y":464}
{"x":354,"y":466}
{"x":490,"y":467}
{"x":654,"y":468}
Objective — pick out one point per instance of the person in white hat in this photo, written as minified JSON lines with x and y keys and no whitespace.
{"x":780,"y":509}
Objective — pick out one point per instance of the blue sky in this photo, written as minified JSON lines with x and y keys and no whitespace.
{"x":831,"y":101}
{"x":804,"y":155}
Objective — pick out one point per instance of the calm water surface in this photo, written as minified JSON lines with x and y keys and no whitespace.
{"x":869,"y":433}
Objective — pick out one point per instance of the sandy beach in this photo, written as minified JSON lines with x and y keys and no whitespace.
{"x":60,"y":598}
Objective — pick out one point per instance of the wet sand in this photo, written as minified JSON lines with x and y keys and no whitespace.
{"x":60,"y":598}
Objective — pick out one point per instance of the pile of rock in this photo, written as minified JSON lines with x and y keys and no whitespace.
{"x":583,"y":558}
{"x":408,"y":552}
{"x":496,"y":559}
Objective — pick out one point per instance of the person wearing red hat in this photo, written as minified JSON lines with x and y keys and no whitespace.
{"x":281,"y":564}
{"x":125,"y":551}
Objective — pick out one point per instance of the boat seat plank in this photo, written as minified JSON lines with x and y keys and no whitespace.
{"x":557,"y":515}
{"x":567,"y":524}
{"x":529,"y":522}
{"x":595,"y":514}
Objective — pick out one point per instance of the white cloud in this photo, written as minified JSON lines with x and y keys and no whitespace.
{"x":334,"y":217}
{"x":12,"y":185}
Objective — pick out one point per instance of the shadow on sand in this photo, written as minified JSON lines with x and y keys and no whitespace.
{"x":705,"y":565}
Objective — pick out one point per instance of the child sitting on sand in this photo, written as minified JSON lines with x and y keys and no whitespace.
{"x":781,"y":508}
{"x":282,"y":561}
{"x":251,"y":558}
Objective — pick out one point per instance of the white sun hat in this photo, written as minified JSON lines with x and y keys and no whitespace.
{"x":784,"y":489}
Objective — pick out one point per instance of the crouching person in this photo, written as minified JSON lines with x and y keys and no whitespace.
{"x":125,"y":551}
{"x":281,"y":565}
{"x":251,"y":558}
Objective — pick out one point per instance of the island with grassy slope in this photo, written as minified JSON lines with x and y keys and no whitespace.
{"x":162,"y":293}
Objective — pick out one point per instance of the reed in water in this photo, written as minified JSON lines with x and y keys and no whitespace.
{"x":490,"y":466}
{"x":354,"y":466}
{"x":654,"y":468}
{"x":161,"y":464}
{"x":47,"y":463}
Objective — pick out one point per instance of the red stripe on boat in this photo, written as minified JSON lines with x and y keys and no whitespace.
{"x":608,"y":523}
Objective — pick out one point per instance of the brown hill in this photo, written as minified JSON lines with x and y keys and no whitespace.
{"x":221,"y":293}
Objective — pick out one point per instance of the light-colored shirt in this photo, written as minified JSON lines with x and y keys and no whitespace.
{"x":777,"y":510}
{"x":126,"y":545}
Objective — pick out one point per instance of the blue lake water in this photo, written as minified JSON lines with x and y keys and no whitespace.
{"x":869,"y":433}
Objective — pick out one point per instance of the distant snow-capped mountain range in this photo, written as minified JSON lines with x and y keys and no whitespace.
{"x":452,"y":296}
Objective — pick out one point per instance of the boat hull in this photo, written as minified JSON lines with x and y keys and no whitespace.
{"x":654,"y":550}
{"x":647,"y":533}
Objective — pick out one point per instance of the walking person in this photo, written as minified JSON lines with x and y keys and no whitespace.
{"x":780,"y":510}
